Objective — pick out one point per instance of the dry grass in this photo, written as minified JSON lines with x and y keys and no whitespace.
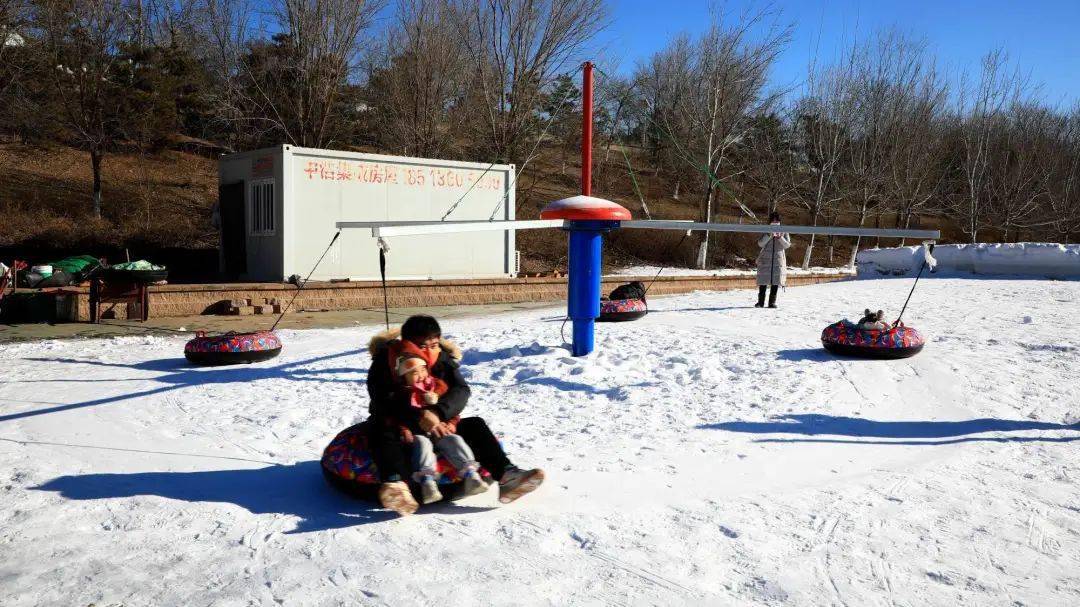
{"x":160,"y":200}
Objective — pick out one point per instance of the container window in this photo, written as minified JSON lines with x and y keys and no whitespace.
{"x":262,"y":208}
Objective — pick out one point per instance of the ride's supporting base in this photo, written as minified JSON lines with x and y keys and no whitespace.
{"x":583,"y":296}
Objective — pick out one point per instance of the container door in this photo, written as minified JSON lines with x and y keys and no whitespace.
{"x":233,"y":234}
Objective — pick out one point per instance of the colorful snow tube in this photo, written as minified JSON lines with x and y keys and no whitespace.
{"x":347,"y":465}
{"x":232,"y":348}
{"x":847,"y":339}
{"x":620,"y":310}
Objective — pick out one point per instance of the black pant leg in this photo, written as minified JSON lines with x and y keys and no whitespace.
{"x":772,"y":294}
{"x":761,"y":295}
{"x":387,"y":451}
{"x":489,"y":453}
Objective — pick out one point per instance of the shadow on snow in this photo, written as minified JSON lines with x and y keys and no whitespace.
{"x":810,"y":424}
{"x":178,"y":373}
{"x":819,"y":354}
{"x":293,"y":490}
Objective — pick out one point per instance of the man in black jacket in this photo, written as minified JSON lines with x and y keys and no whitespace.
{"x":421,"y":335}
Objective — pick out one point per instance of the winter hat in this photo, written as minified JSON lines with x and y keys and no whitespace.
{"x":409,"y":362}
{"x":403,"y":347}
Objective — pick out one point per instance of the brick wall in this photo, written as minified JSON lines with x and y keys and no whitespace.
{"x":189,"y":300}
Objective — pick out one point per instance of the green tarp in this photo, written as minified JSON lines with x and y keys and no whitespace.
{"x":78,"y":265}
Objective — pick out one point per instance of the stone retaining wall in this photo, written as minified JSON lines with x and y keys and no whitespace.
{"x":190,"y":300}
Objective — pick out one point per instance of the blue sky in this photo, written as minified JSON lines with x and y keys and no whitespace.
{"x":1041,"y":36}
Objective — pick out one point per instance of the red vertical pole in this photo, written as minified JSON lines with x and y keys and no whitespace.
{"x":586,"y":128}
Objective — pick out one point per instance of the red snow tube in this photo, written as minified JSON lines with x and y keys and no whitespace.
{"x":847,"y":339}
{"x":232,"y":348}
{"x":620,"y":310}
{"x":347,"y":465}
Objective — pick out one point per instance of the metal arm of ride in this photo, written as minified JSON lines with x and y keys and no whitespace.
{"x":787,"y":229}
{"x":383,"y":229}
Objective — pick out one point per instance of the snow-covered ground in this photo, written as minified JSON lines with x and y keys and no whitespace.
{"x":710,"y":453}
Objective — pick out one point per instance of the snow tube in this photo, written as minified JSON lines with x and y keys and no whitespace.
{"x":620,"y":310}
{"x":847,"y":339}
{"x":232,"y":348}
{"x":347,"y":465}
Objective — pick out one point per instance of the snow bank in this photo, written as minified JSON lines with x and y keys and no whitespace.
{"x":644,"y":270}
{"x":1042,"y":260}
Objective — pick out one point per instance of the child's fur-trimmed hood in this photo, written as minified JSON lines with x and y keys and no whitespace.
{"x":383,"y":338}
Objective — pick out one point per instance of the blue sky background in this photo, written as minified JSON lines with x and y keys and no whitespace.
{"x":1041,"y":36}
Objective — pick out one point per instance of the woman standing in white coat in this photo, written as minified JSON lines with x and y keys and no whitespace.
{"x":772,"y":263}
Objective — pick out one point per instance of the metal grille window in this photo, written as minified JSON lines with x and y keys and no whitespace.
{"x":262,"y":208}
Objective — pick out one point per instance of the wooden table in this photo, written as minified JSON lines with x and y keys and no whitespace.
{"x":113,"y":293}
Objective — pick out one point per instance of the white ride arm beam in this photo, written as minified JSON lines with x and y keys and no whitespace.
{"x":384,"y":229}
{"x":787,"y":229}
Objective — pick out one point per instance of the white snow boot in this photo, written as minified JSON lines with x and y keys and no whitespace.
{"x":429,"y":490}
{"x":473,"y":484}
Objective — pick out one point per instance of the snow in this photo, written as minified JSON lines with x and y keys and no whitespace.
{"x":710,"y":453}
{"x":1042,"y":260}
{"x":647,"y":270}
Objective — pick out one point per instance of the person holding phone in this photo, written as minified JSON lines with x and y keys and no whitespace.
{"x":772,"y":262}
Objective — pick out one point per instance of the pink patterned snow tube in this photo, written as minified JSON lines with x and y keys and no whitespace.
{"x":232,"y":348}
{"x":848,"y":339}
{"x":347,"y":465}
{"x":616,"y":310}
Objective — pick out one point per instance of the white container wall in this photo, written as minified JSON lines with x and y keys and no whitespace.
{"x":292,"y":197}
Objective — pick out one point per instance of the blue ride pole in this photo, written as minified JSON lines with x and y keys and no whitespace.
{"x":583,"y":297}
{"x":587,"y":220}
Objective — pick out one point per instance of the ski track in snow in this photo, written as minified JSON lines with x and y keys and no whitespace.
{"x":710,"y":453}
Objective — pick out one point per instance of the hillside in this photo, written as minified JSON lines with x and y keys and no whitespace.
{"x":162,"y":200}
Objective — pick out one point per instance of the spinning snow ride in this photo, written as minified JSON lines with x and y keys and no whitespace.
{"x":587,"y":219}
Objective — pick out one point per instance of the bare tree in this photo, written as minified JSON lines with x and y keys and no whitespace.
{"x":919,"y":162}
{"x":616,"y":96}
{"x":518,"y":47}
{"x":887,"y":74}
{"x":980,"y":108}
{"x":726,"y":88}
{"x":659,"y":82}
{"x":14,"y":63}
{"x":1061,"y":178}
{"x":1021,"y":148}
{"x":420,"y":77}
{"x":12,"y":18}
{"x":770,"y":162}
{"x":290,"y":86}
{"x":226,"y":25}
{"x":82,"y":40}
{"x":823,"y":137}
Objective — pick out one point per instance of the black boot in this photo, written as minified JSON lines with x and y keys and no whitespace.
{"x":772,"y":295}
{"x":760,"y":297}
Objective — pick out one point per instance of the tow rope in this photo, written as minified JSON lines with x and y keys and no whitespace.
{"x":300,"y":287}
{"x":930,"y":250}
{"x":384,"y":248}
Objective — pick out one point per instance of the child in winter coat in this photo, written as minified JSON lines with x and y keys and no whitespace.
{"x":421,"y":390}
{"x":421,"y":335}
{"x":873,"y":321}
